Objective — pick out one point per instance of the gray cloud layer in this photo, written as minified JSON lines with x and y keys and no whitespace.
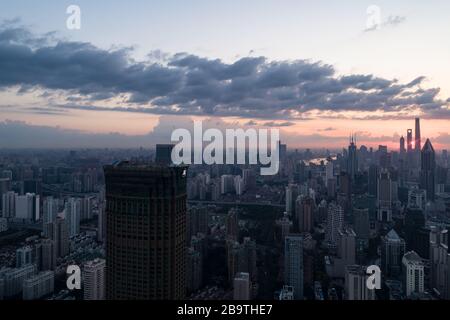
{"x":187,"y":84}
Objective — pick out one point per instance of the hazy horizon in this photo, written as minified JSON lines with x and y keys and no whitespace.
{"x":313,"y":70}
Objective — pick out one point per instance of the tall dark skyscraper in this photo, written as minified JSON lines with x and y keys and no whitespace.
{"x":428,"y":170}
{"x":418,"y":142}
{"x":409,"y":139}
{"x":352,"y":162}
{"x":402,"y":145}
{"x":146,"y":230}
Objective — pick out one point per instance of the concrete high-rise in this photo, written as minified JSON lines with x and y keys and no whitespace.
{"x":146,"y":231}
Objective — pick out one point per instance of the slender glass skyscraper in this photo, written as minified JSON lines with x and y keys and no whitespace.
{"x":428,"y":170}
{"x":418,"y":142}
{"x":146,"y":230}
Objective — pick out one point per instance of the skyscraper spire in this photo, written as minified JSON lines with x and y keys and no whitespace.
{"x":418,"y":143}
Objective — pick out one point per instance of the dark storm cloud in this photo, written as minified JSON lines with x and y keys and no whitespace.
{"x":187,"y":84}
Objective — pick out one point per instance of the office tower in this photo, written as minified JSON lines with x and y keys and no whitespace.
{"x":428,"y":170}
{"x":9,"y":204}
{"x":373,"y":180}
{"x":293,"y":264}
{"x":194,"y":270}
{"x":322,"y":212}
{"x":94,"y":280}
{"x":24,"y":256}
{"x":402,"y":146}
{"x":72,"y":216}
{"x":345,"y":186}
{"x":242,"y":286}
{"x":413,"y":273}
{"x":50,"y":209}
{"x":287,"y":293}
{"x":285,"y":225}
{"x":335,"y":220}
{"x":14,"y":277}
{"x":409,"y":141}
{"x":232,"y":225}
{"x":199,"y":243}
{"x":5,"y":186}
{"x":239,"y":185}
{"x":417,"y":198}
{"x":164,"y":154}
{"x":3,"y":224}
{"x":59,"y":233}
{"x":247,"y":259}
{"x":292,"y":192}
{"x":361,"y":226}
{"x":384,"y":201}
{"x":346,"y":248}
{"x":197,"y":221}
{"x":146,"y":231}
{"x":27,"y":207}
{"x":282,"y":148}
{"x":101,"y":223}
{"x":227,"y":184}
{"x":304,"y":213}
{"x":352,"y":161}
{"x":39,"y":286}
{"x":392,"y":251}
{"x":249,"y":177}
{"x":440,"y":262}
{"x":356,"y":284}
{"x":417,"y":140}
{"x":329,"y":171}
{"x":416,"y":233}
{"x":48,"y":255}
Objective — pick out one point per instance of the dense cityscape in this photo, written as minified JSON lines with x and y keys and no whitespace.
{"x":140,"y":227}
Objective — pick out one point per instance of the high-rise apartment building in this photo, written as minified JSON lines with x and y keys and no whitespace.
{"x":39,"y":285}
{"x":293,"y":264}
{"x":413,"y":273}
{"x":94,"y":280}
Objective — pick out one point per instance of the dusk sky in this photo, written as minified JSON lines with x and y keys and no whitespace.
{"x":318,"y":70}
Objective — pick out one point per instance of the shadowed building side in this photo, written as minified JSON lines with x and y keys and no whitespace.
{"x":146,"y":229}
